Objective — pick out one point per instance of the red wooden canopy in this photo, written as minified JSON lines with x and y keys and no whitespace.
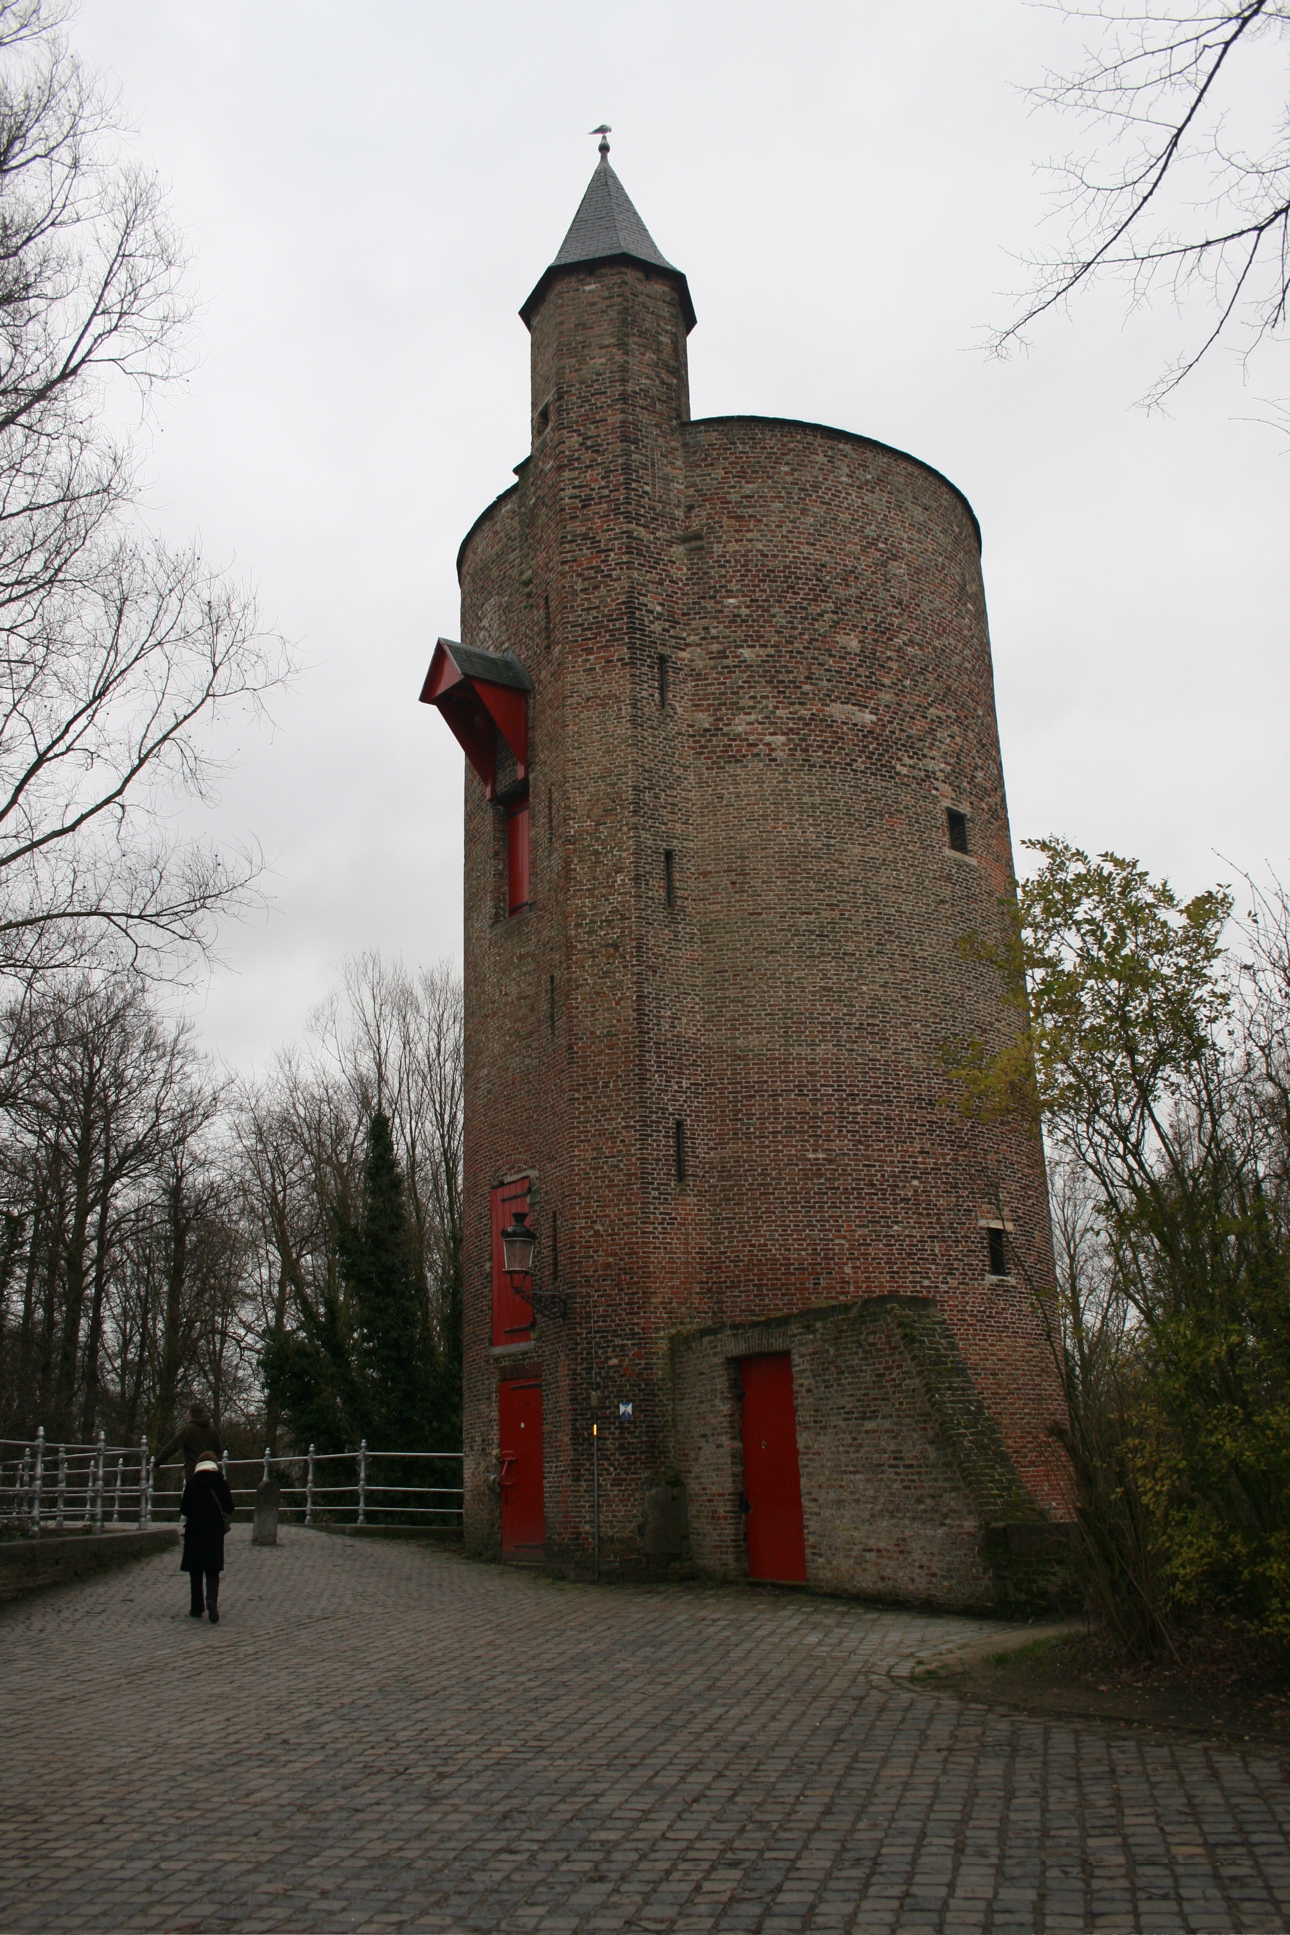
{"x":481,"y":694}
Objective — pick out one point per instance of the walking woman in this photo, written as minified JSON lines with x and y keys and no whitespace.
{"x":206,"y":1508}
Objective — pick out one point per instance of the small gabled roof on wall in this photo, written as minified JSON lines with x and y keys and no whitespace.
{"x":480,"y":694}
{"x":498,"y":668}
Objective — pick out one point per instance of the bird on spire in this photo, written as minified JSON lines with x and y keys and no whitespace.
{"x":603,"y":130}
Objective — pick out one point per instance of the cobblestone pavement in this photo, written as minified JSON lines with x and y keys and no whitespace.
{"x":388,"y":1737}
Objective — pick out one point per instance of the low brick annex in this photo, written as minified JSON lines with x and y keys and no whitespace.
{"x":733,"y":799}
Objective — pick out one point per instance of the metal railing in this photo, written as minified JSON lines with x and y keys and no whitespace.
{"x":44,"y":1486}
{"x":47,"y":1487}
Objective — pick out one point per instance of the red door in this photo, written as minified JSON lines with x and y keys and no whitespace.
{"x":519,"y":1408}
{"x":772,"y":1483}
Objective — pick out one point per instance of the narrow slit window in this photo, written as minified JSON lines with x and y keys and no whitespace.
{"x":669,"y":877}
{"x":662,"y":678}
{"x":997,"y":1242}
{"x":678,"y":1148}
{"x":957,"y":828}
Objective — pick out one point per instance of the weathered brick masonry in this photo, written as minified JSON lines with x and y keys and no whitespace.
{"x":761,"y":677}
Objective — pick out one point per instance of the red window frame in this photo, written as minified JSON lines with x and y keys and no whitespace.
{"x":517,"y":856}
{"x":512,"y":1316}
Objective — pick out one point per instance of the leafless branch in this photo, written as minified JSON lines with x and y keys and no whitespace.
{"x":1163,"y":200}
{"x":117,"y":655}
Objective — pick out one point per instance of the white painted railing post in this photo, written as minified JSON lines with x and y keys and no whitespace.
{"x":61,"y":1506}
{"x":223,"y":1465}
{"x":268,"y":1450}
{"x":37,"y":1472}
{"x":143,"y":1484}
{"x":309,"y":1488}
{"x":362,"y":1483}
{"x":98,"y":1483}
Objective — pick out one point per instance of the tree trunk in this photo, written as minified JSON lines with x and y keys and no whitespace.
{"x":75,"y":1274}
{"x":134,"y":1399}
{"x":163,"y":1421}
{"x":94,"y":1340}
{"x":27,"y":1376}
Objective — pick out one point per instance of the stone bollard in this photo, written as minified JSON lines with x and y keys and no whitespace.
{"x":268,"y":1497}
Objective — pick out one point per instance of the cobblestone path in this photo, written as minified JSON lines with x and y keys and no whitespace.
{"x":386,"y":1737}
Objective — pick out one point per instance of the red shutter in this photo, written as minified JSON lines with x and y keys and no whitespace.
{"x":517,"y":857}
{"x":512,"y":1317}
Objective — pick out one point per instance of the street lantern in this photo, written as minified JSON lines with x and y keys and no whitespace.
{"x":518,"y":1245}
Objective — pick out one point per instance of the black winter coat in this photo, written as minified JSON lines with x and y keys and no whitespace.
{"x":195,"y":1441}
{"x":206,"y":1499}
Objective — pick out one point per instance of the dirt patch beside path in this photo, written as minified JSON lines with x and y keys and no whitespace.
{"x":1218,"y":1686}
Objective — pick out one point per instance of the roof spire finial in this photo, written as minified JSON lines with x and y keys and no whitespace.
{"x":606,"y":228}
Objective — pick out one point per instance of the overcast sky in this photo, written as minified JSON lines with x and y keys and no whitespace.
{"x":370,"y":192}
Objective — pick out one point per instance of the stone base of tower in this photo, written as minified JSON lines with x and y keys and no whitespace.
{"x":907,"y":1492}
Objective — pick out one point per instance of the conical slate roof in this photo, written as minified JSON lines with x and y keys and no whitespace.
{"x":607,"y":228}
{"x":607,"y":224}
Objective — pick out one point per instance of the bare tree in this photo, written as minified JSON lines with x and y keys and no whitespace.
{"x":157,"y":1228}
{"x":298,"y":1153}
{"x":103,"y":1135}
{"x":116,"y":654}
{"x":396,"y":1044}
{"x":1168,"y":197}
{"x":100,"y":696}
{"x":386,"y":1040}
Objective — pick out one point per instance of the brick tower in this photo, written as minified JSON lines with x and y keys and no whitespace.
{"x":733,"y":796}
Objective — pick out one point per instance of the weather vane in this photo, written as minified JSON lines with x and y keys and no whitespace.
{"x":603,"y":130}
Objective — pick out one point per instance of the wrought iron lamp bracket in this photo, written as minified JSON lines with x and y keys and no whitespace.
{"x":543,"y":1303}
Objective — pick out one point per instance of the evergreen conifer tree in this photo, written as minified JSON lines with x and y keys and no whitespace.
{"x":365,"y":1364}
{"x":396,"y":1367}
{"x":308,"y":1375}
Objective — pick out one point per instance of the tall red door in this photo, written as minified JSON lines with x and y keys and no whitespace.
{"x":772,"y":1481}
{"x":519,"y":1406}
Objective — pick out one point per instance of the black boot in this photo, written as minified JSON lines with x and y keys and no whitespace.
{"x":212,"y":1597}
{"x":196,"y":1608}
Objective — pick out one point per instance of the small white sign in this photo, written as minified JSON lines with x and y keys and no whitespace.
{"x":624,"y":1408}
